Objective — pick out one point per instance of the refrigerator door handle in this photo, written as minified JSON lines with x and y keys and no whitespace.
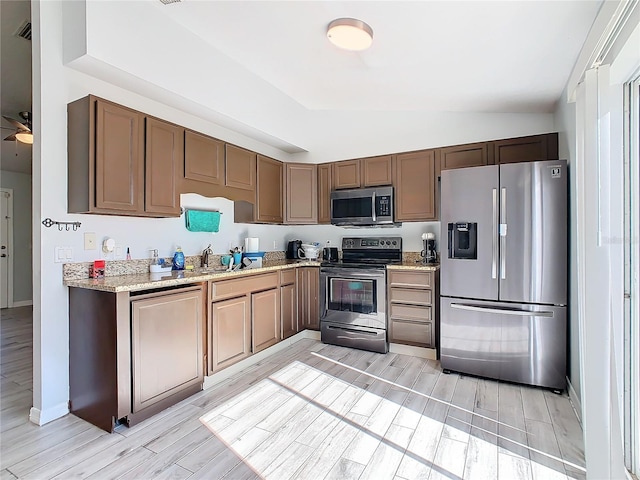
{"x":519,"y":313}
{"x":503,"y":233}
{"x":494,"y":235}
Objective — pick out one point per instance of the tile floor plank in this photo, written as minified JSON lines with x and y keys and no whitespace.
{"x":297,"y":415}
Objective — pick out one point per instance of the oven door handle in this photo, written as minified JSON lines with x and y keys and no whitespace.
{"x":351,"y":273}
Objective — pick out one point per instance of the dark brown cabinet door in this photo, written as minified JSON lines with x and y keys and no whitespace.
{"x":240,"y":168}
{"x":302,"y":193}
{"x":325,"y":185}
{"x":164,"y":157}
{"x":308,"y":284}
{"x":461,"y":156}
{"x":289,"y":313}
{"x":119,"y":159}
{"x":159,"y":325}
{"x":376,"y":171}
{"x":230,"y":336}
{"x":265,"y":330}
{"x":526,"y":149}
{"x":415,"y":186}
{"x":269,"y":191}
{"x":346,"y":174}
{"x":203,"y":158}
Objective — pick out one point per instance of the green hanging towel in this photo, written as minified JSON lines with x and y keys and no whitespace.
{"x":202,"y":221}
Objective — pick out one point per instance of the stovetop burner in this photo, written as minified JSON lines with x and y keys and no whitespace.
{"x":368,"y":252}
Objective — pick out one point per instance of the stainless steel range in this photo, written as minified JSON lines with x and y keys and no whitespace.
{"x":353,"y":293}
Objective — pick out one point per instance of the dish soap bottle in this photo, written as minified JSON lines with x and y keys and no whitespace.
{"x":178,"y":259}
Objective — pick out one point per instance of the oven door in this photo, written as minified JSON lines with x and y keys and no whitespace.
{"x":353,"y":296}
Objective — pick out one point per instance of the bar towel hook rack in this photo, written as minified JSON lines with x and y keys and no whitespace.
{"x":47,"y":222}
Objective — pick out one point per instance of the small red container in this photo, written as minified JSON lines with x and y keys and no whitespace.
{"x":97,"y":269}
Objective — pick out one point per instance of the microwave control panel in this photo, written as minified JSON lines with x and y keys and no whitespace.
{"x":383,"y":207}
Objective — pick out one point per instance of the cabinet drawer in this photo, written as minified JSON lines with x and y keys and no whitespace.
{"x":413,"y":278}
{"x":410,"y":312}
{"x":411,"y":333}
{"x":410,"y":295}
{"x":287,"y":276}
{"x":241,"y":286}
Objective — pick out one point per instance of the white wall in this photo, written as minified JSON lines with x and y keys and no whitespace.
{"x":56,"y":84}
{"x":565,"y":124}
{"x":20,"y":183}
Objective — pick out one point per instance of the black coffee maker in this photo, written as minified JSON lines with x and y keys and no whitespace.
{"x":429,"y":254}
{"x":292,"y":249}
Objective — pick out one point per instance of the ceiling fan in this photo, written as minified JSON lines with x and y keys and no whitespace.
{"x":23,"y":129}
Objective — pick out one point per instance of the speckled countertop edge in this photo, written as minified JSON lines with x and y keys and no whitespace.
{"x":146,"y":281}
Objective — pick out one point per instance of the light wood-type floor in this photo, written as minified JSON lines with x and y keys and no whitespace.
{"x":302,"y":414}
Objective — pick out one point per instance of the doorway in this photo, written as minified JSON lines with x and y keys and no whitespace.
{"x":6,"y":248}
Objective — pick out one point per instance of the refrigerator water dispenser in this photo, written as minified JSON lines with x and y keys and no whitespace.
{"x":463,"y":239}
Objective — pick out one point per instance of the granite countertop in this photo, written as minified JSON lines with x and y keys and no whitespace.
{"x":415,"y":265}
{"x":145,"y":281}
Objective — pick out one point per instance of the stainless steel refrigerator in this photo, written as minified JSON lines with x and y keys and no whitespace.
{"x":504,"y":272}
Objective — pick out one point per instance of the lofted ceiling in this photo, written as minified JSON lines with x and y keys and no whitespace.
{"x":461,"y":56}
{"x":427,"y":56}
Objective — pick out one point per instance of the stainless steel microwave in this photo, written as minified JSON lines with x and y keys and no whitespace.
{"x":362,"y":207}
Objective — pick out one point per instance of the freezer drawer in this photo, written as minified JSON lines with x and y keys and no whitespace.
{"x":513,"y":342}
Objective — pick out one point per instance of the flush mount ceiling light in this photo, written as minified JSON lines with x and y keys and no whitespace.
{"x":350,"y":34}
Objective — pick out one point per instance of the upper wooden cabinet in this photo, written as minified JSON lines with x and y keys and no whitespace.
{"x":325,"y":185}
{"x":109,"y":171}
{"x":203,"y":158}
{"x":376,"y":171}
{"x":346,"y":174}
{"x":526,"y":149}
{"x":461,"y":156}
{"x":269,"y":192}
{"x":415,"y":185}
{"x":240,"y":168}
{"x":164,"y":157}
{"x":302,"y":193}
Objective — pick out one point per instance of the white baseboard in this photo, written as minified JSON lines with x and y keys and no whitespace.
{"x":222,"y":375}
{"x":23,"y":303}
{"x":40,"y":417}
{"x":421,"y":352}
{"x":575,"y":400}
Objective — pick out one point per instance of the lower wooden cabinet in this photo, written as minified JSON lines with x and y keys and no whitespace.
{"x":308,"y":284}
{"x":133,"y":354}
{"x":166,"y":345}
{"x":288,"y":303}
{"x":265,"y":319}
{"x":244,"y":317}
{"x":230,"y":335}
{"x":413,"y":307}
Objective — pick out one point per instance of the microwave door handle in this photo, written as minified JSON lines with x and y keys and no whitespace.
{"x":373,"y":206}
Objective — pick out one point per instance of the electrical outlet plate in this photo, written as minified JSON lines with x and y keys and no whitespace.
{"x":63,"y":254}
{"x":89,"y":241}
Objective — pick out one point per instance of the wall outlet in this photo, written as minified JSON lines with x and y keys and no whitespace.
{"x":119,"y":252}
{"x":90,"y":241}
{"x":274,"y":245}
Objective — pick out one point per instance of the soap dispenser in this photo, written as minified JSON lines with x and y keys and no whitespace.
{"x":178,"y":259}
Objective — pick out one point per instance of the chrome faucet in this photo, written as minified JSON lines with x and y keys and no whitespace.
{"x":206,"y":255}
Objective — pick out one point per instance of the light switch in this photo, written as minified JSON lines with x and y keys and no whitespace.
{"x":89,"y":241}
{"x":63,"y":254}
{"x":119,"y":253}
